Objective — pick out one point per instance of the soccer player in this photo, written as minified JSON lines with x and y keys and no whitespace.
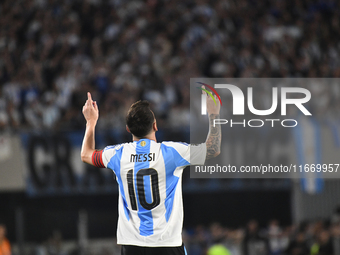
{"x":149,"y":176}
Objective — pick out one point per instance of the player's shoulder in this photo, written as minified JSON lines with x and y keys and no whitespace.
{"x":111,"y":151}
{"x":117,"y":146}
{"x":171,"y":143}
{"x":179,"y":146}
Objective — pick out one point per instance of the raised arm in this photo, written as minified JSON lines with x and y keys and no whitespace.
{"x":91,"y":114}
{"x":213,"y":141}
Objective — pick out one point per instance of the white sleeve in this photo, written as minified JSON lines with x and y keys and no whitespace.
{"x":190,"y":154}
{"x":198,"y":153}
{"x":108,"y":153}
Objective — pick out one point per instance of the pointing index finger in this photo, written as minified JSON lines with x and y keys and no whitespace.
{"x":89,"y":96}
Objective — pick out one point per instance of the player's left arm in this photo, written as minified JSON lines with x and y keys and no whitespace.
{"x":214,"y":137}
{"x":196,"y":154}
{"x":91,"y":114}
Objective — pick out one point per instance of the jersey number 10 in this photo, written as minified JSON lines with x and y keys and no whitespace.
{"x":150,"y":173}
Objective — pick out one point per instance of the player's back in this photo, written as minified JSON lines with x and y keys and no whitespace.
{"x":150,"y":202}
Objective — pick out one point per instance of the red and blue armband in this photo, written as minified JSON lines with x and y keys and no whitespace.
{"x":97,"y":159}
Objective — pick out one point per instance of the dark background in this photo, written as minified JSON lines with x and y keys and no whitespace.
{"x":46,"y":214}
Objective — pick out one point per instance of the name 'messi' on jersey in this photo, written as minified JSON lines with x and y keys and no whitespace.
{"x":142,"y":157}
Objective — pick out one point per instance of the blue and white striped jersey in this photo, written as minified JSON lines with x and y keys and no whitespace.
{"x":149,"y":175}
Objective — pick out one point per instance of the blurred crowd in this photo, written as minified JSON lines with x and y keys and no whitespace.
{"x":318,"y":237}
{"x":52,"y":52}
{"x":312,"y":238}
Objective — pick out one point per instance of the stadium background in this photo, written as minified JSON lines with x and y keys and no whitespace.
{"x":53,"y":52}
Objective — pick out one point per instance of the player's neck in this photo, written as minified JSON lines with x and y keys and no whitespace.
{"x":151,"y":136}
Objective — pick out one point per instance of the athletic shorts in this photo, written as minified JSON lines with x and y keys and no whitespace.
{"x":138,"y":250}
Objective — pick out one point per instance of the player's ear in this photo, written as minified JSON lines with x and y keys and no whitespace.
{"x":154,"y":126}
{"x":127,"y":129}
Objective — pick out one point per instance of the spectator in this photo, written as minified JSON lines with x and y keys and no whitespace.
{"x":218,"y":249}
{"x":298,"y":246}
{"x":5,"y":247}
{"x":253,"y":242}
{"x":324,"y":245}
{"x":336,"y":237}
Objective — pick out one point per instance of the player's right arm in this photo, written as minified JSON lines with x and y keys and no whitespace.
{"x":91,"y":114}
{"x":89,"y":155}
{"x":214,"y":137}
